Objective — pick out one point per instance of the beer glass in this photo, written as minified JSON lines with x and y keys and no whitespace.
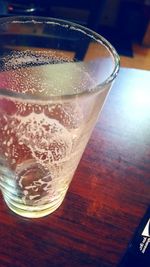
{"x":54,"y":78}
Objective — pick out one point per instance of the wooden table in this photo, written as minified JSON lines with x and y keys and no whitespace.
{"x":108,"y":196}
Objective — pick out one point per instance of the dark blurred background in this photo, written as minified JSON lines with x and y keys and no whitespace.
{"x":122,"y":22}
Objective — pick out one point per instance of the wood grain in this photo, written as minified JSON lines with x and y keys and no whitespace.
{"x":108,"y":196}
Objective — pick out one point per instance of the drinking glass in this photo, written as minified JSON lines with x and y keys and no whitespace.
{"x":54,"y":78}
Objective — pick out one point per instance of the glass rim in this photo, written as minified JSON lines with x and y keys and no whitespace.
{"x":77,"y":27}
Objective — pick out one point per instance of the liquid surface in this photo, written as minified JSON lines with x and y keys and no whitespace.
{"x":43,"y":74}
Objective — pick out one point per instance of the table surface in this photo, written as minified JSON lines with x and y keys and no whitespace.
{"x":108,"y":196}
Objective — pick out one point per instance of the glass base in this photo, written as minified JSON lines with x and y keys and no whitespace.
{"x":33,"y":212}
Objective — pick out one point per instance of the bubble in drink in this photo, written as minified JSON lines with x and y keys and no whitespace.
{"x":47,"y":139}
{"x":37,"y":144}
